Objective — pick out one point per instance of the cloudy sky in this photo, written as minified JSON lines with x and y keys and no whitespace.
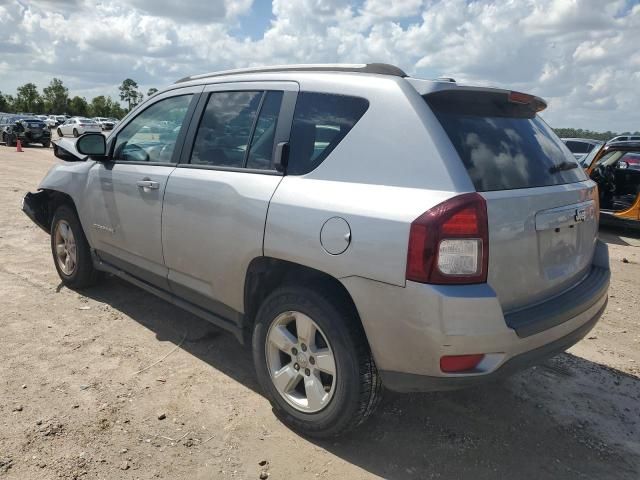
{"x":583,"y":56}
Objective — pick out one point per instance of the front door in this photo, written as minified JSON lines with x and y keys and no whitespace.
{"x":126,"y":194}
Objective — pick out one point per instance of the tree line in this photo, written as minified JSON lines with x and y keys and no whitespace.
{"x":580,"y":133}
{"x":55,"y":100}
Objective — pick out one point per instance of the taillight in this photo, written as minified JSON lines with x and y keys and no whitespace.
{"x":449,"y":244}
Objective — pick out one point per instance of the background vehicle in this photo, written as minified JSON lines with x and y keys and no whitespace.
{"x":105,"y":123}
{"x":580,"y":147}
{"x":616,"y":169}
{"x":53,"y":121}
{"x":77,"y":126}
{"x":625,"y":138}
{"x":355,"y":226}
{"x":26,"y":129}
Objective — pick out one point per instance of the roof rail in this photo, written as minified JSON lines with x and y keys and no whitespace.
{"x":379,"y":68}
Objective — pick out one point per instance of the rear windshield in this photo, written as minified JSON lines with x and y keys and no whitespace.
{"x":503,"y":145}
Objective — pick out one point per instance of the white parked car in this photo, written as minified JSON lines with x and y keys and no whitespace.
{"x":76,"y":126}
{"x":104,"y":122}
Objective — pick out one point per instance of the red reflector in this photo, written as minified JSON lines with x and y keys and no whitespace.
{"x":460,"y":363}
{"x":465,"y":222}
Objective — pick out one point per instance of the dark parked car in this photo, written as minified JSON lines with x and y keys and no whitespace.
{"x":26,"y":129}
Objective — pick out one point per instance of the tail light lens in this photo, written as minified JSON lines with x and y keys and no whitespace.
{"x":449,"y":244}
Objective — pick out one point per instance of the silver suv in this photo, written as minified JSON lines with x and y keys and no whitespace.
{"x":357,"y":227}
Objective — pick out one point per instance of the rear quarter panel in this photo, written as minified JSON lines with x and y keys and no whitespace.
{"x":394,"y":164}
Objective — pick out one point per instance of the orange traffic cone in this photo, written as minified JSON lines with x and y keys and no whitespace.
{"x":19,"y":146}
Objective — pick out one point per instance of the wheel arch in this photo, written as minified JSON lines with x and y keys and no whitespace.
{"x":41,"y":206}
{"x":265,"y":274}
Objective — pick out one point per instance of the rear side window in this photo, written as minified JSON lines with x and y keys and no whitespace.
{"x":577,"y":147}
{"x":503,"y":145}
{"x":320,"y":122}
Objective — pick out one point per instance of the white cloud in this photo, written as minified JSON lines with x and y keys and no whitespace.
{"x":581,"y":55}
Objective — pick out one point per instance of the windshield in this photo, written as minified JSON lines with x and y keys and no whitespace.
{"x":586,"y":161}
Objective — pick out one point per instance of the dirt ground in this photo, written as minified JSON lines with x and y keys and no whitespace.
{"x":86,"y":379}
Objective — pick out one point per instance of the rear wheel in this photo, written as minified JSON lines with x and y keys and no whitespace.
{"x":313,"y":361}
{"x":70,"y":249}
{"x":75,"y":133}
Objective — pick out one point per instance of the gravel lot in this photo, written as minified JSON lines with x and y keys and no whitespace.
{"x":74,"y":402}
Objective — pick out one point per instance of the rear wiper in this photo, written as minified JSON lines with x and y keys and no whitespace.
{"x":562,"y":167}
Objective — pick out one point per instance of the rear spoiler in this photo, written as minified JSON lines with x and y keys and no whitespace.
{"x":427,"y":88}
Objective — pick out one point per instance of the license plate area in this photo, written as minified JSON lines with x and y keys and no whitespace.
{"x":565,"y":239}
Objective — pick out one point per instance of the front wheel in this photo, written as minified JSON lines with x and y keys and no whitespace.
{"x":60,"y":133}
{"x":70,"y":249}
{"x":75,"y":133}
{"x":313,"y":361}
{"x":46,"y":144}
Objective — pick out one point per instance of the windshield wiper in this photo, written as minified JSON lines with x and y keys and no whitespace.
{"x":561,"y":167}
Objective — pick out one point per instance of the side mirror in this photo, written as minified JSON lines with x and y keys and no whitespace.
{"x":623,"y":165}
{"x":92,"y":144}
{"x":63,"y":154}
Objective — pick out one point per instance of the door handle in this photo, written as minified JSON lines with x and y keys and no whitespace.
{"x":148,"y":184}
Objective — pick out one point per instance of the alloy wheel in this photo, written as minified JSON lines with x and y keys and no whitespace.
{"x":300,"y":362}
{"x":65,"y":248}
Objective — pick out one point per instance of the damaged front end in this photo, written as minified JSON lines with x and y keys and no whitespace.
{"x":36,"y":207}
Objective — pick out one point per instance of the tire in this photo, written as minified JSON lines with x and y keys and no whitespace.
{"x":60,"y":133}
{"x":353,"y":392}
{"x":10,"y":140}
{"x":83,"y":274}
{"x":46,"y":144}
{"x":75,"y":133}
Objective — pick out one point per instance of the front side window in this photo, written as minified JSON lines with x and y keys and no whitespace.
{"x":224,"y":132}
{"x":320,"y":122}
{"x":151,"y":136}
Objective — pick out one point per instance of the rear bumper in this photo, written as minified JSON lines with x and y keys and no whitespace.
{"x":409,"y":329}
{"x":406,"y":382}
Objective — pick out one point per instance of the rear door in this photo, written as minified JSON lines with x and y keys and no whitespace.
{"x":542,"y":208}
{"x":216,"y":200}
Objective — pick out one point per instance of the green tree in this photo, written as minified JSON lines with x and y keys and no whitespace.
{"x":11,"y":103}
{"x":5,"y":104}
{"x":78,"y":106}
{"x":28,"y":98}
{"x":129,"y":93}
{"x":56,"y":97}
{"x":151,"y":92}
{"x":99,"y":107}
{"x":116,"y":111}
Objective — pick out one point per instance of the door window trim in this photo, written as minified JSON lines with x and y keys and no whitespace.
{"x":283,"y":127}
{"x":194,"y":91}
